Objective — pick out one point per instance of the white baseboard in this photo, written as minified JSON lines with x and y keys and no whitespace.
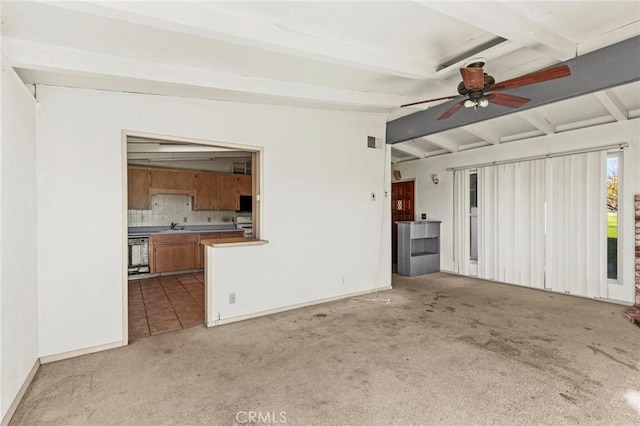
{"x":78,"y":352}
{"x":292,"y":307}
{"x":23,"y":389}
{"x":599,"y":299}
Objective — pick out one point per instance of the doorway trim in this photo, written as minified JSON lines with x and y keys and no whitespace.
{"x":257,"y":156}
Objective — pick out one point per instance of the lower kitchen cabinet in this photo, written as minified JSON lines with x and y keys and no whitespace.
{"x":180,"y":252}
{"x":174,"y":252}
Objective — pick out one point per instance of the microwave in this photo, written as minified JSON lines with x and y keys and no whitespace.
{"x":246,"y":204}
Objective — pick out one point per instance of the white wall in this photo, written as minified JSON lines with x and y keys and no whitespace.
{"x":437,"y":200}
{"x":18,"y":277}
{"x":317,"y":213}
{"x":334,"y":241}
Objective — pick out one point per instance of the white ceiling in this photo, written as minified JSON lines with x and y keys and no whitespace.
{"x":359,"y":56}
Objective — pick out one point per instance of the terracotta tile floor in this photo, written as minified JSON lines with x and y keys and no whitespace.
{"x":166,"y":303}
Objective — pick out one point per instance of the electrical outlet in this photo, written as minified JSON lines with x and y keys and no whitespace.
{"x":342,"y":279}
{"x":184,"y":219}
{"x":208,"y":219}
{"x":232,"y":298}
{"x":424,"y":216}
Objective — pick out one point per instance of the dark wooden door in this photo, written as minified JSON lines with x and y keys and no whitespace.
{"x":402,"y":194}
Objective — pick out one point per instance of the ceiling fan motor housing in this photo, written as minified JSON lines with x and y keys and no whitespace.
{"x":488,"y":81}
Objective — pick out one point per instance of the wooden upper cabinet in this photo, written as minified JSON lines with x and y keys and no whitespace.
{"x":211,"y":191}
{"x":138,"y":195}
{"x":245,"y":185}
{"x":184,"y":180}
{"x":228,"y":196}
{"x":206,"y":192}
{"x":173,"y":181}
{"x":162,"y":179}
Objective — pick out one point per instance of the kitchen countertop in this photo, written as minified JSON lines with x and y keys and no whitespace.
{"x":143,"y":231}
{"x":233,"y":242}
{"x":419,"y":221}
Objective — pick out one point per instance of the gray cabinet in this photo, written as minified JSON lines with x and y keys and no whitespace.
{"x":418,"y":247}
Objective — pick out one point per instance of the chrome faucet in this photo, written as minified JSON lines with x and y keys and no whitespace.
{"x":173,"y":225}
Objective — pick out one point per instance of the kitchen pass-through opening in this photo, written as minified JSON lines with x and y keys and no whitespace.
{"x":179,"y":193}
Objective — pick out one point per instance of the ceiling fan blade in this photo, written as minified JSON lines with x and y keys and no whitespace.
{"x":473,"y":78}
{"x":448,"y":113}
{"x":507,"y":100}
{"x":430,"y":100}
{"x":534,"y":77}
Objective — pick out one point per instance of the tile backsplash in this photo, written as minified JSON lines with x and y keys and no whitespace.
{"x":167,"y":208}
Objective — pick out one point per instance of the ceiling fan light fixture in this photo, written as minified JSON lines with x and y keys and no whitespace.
{"x":469,"y":103}
{"x":484,"y":102}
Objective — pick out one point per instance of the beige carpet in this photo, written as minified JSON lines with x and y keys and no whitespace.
{"x":444,"y":350}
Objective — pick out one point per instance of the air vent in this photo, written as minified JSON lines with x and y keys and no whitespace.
{"x":371,"y":142}
{"x":242,"y":168}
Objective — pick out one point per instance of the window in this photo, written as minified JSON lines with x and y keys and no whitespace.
{"x":473,"y":216}
{"x":613,"y":173}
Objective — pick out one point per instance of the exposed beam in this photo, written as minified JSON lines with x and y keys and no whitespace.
{"x":408,"y":149}
{"x":484,"y":132}
{"x":474,"y":145}
{"x":497,"y":18}
{"x":442,"y":142}
{"x":402,"y":112}
{"x":612,"y":103}
{"x":590,"y":122}
{"x":176,"y":156}
{"x":156,"y":147}
{"x":493,"y":52}
{"x":36,"y":56}
{"x":438,"y":152}
{"x":213,"y":22}
{"x":538,"y":121}
{"x":602,"y":69}
{"x":521,"y":136}
{"x":429,"y":154}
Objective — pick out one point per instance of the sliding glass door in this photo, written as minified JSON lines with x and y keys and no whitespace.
{"x":546,"y":223}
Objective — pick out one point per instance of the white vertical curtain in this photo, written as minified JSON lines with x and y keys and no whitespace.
{"x":576,"y":243}
{"x":541,"y":223}
{"x":462,"y":224}
{"x":511,"y":223}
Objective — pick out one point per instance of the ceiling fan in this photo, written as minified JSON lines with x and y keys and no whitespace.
{"x":480,"y":89}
